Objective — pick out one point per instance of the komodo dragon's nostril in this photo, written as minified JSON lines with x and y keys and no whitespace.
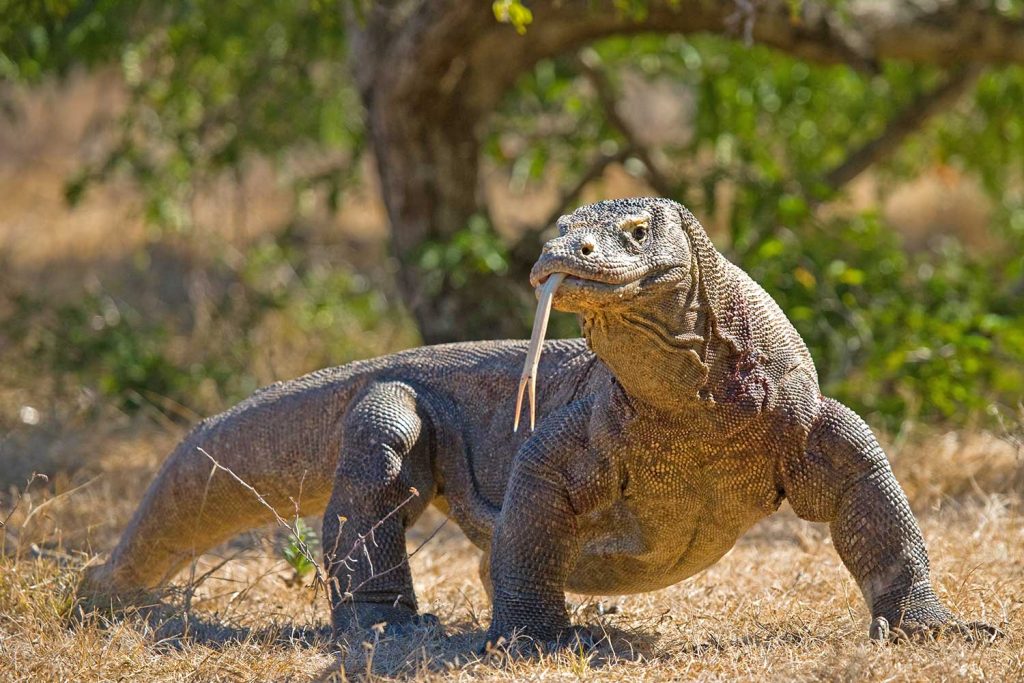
{"x":587,"y":246}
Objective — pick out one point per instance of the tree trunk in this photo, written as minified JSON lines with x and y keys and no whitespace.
{"x":423,"y":117}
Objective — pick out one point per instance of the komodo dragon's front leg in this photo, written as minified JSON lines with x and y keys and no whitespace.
{"x":845,"y":479}
{"x":384,"y":453}
{"x":555,"y":477}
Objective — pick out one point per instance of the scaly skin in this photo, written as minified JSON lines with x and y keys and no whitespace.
{"x":688,"y":413}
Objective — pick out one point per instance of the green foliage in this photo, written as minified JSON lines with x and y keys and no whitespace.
{"x":113,"y":348}
{"x":512,"y":12}
{"x":39,"y":37}
{"x":211,"y":84}
{"x":281,"y":296}
{"x":293,"y":551}
{"x":469,"y":253}
{"x":764,"y":123}
{"x":341,"y":314}
{"x":935,"y":336}
{"x":474,"y":262}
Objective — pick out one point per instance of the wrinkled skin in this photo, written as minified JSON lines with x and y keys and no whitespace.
{"x":691,"y":410}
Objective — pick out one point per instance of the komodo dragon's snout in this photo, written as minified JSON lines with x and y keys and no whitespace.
{"x":606,"y":255}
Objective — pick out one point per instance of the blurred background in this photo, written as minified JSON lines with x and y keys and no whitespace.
{"x":198,"y":198}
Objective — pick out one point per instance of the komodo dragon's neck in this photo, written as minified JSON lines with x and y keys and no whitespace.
{"x":662,"y":348}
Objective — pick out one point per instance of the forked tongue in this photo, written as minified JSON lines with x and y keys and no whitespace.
{"x":540,"y":326}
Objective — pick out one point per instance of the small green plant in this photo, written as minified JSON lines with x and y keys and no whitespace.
{"x":294,"y":554}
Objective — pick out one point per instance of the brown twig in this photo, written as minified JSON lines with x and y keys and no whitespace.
{"x":319,"y":578}
{"x":59,"y":496}
{"x":14,"y":508}
{"x":361,"y":539}
{"x":911,"y":119}
{"x":404,"y":562}
{"x":360,"y":544}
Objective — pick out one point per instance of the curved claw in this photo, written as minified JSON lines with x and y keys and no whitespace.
{"x":881,"y":631}
{"x":491,"y":645}
{"x":540,"y":327}
{"x":574,"y":638}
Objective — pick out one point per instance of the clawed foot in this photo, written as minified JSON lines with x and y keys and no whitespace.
{"x":418,"y":622}
{"x":911,"y":630}
{"x":387,"y":621}
{"x":574,"y":639}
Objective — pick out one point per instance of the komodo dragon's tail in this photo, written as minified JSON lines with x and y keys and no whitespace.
{"x":282,"y":442}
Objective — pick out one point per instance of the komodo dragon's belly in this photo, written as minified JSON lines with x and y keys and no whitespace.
{"x":669,"y":525}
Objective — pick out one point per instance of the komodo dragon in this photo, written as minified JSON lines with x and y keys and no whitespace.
{"x":688,"y":413}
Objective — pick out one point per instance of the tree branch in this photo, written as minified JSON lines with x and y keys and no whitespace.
{"x":590,"y":65}
{"x":593,"y":172}
{"x":943,"y":32}
{"x":430,"y":73}
{"x":912,"y":118}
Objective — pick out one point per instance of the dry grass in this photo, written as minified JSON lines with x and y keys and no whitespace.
{"x":780,"y":606}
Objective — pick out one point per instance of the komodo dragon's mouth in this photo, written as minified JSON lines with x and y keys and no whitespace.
{"x":587,"y":282}
{"x":548,"y":283}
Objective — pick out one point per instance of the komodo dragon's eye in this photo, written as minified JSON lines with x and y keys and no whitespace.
{"x":637,"y":230}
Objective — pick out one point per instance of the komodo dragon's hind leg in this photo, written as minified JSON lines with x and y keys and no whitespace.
{"x":385,"y":452}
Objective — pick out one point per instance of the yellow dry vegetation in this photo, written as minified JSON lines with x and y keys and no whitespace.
{"x":780,"y":606}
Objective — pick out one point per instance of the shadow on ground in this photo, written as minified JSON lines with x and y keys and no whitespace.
{"x":375,"y":654}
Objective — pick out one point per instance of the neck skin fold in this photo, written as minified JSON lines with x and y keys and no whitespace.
{"x":658,"y":349}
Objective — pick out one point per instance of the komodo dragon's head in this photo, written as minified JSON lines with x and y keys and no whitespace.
{"x":630,"y":267}
{"x":614,"y":251}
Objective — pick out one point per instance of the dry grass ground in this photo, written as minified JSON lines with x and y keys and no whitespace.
{"x":780,"y":606}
